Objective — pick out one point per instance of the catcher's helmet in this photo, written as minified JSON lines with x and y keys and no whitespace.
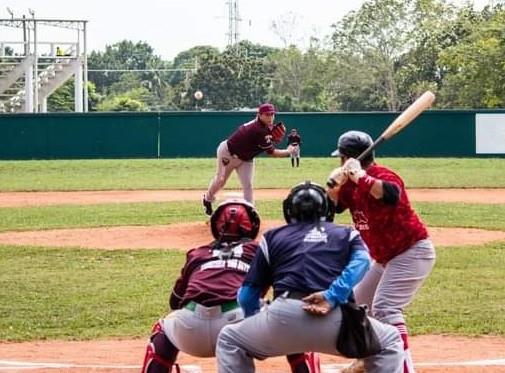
{"x":307,"y":202}
{"x":352,"y":143}
{"x":233,"y":220}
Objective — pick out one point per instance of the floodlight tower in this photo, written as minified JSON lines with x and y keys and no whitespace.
{"x":233,"y":22}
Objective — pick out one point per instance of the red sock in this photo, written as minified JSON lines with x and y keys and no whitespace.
{"x":407,"y":363}
{"x":404,"y":333}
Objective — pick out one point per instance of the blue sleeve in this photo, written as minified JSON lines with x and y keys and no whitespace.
{"x":259,"y":274}
{"x":340,"y":289}
{"x":248,"y":297}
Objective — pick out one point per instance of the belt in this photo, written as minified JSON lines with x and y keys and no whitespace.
{"x":293,"y":294}
{"x":225,"y":307}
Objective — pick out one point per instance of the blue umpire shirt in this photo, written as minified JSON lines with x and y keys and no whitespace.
{"x":306,"y":257}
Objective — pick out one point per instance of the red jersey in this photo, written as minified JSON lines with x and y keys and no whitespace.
{"x":251,"y":139}
{"x":388,"y":230}
{"x":211,"y":276}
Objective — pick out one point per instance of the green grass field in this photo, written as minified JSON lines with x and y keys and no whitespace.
{"x":270,"y":173}
{"x":70,"y":293}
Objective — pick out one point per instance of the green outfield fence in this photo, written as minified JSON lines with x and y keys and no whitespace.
{"x":436,"y":133}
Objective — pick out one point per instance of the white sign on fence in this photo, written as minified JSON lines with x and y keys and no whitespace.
{"x":490,"y":133}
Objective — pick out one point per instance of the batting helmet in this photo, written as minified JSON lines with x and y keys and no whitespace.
{"x":352,"y":143}
{"x":307,"y":202}
{"x":233,"y":220}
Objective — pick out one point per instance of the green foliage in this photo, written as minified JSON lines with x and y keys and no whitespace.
{"x":62,"y":99}
{"x":120,"y":87}
{"x":476,"y":68}
{"x":133,"y":100}
{"x":378,"y":33}
{"x":122,"y":55}
{"x":235,"y":79}
{"x":381,"y":57}
{"x":298,"y":82}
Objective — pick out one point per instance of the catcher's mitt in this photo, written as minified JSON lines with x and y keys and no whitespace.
{"x":278,"y":132}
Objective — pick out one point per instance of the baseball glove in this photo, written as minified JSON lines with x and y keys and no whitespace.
{"x":278,"y":132}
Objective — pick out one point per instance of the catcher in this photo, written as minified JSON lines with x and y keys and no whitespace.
{"x":312,"y":265}
{"x":204,"y":296}
{"x":239,"y":150}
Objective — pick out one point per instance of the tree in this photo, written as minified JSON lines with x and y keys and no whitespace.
{"x":237,"y":78}
{"x":133,"y":100}
{"x":62,"y":100}
{"x":476,"y":77}
{"x":123,"y":55}
{"x":190,"y":59}
{"x":376,"y":36}
{"x":127,"y":55}
{"x":298,"y":80}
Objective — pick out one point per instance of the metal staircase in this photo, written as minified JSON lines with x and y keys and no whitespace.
{"x":50,"y":78}
{"x":34,"y":69}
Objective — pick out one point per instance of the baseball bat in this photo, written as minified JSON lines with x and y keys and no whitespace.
{"x":403,"y":120}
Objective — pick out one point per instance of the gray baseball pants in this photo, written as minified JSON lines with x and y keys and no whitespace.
{"x":283,"y":328}
{"x":195,"y":332}
{"x":388,"y":289}
{"x":226,"y":163}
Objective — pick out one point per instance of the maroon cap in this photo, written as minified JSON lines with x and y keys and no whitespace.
{"x":266,"y":108}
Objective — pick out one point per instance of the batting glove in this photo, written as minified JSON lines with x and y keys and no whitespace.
{"x":354,"y":171}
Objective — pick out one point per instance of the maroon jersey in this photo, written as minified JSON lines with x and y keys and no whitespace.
{"x":212,"y":276}
{"x":294,"y":140}
{"x":251,"y":139}
{"x":388,"y":230}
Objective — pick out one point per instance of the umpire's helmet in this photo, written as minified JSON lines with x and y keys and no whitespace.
{"x":352,"y":143}
{"x":307,"y":202}
{"x":233,"y":220}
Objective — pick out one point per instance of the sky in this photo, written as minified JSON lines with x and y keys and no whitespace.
{"x":173,"y":26}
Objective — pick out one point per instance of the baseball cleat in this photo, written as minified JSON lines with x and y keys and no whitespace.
{"x":207,"y":206}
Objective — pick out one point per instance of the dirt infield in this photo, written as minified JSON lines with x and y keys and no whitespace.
{"x":432,"y":353}
{"x":20,"y":199}
{"x":186,"y":235}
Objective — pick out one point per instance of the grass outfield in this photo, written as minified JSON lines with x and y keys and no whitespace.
{"x":86,"y":294}
{"x":69,"y":293}
{"x":154,"y":213}
{"x":270,"y":173}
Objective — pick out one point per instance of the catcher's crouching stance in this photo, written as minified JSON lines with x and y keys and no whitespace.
{"x":204,"y":296}
{"x":312,"y":265}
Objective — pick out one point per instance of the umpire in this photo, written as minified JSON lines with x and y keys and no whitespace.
{"x":312,"y":265}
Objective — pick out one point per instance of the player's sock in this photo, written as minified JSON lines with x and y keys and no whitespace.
{"x":307,"y":362}
{"x":292,"y":162}
{"x":297,"y":162}
{"x":408,"y":364}
{"x":160,"y":353}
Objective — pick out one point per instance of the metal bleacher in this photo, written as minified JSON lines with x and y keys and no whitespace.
{"x":31,"y":70}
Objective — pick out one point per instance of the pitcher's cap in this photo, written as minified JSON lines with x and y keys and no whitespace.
{"x":266,"y":108}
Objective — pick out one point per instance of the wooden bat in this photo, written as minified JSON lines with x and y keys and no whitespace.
{"x":403,"y":120}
